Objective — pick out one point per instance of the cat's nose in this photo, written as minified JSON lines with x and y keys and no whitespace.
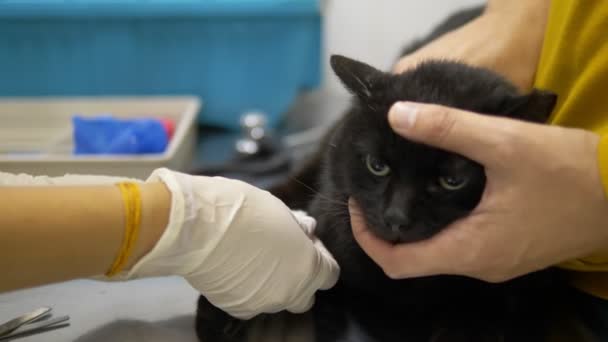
{"x":396,"y":219}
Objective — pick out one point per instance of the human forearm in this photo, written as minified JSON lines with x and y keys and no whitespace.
{"x":57,"y":233}
{"x":520,"y":31}
{"x":506,"y":38}
{"x":203,"y":229}
{"x":519,"y":8}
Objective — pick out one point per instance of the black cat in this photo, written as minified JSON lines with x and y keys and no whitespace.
{"x":409,"y":192}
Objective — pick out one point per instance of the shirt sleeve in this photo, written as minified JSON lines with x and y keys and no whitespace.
{"x":597,"y":262}
{"x":603,"y":162}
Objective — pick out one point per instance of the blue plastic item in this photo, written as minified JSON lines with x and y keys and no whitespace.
{"x":105,"y":134}
{"x":237,"y":55}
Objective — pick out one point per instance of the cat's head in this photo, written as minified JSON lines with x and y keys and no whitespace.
{"x":409,"y":191}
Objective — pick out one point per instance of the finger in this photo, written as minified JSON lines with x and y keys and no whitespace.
{"x":428,"y":257}
{"x":306,"y":222}
{"x":328,"y":268}
{"x":379,"y":250}
{"x":476,"y":136}
{"x":424,"y":258}
{"x":325,"y":278}
{"x":302,"y":304}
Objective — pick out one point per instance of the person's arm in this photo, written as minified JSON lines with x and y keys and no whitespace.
{"x":57,"y":233}
{"x":240,"y":246}
{"x":506,"y":38}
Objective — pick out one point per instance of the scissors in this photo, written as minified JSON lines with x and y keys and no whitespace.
{"x":34,"y":322}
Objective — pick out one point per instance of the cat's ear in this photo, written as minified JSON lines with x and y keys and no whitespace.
{"x":536,"y":106}
{"x":359,"y":78}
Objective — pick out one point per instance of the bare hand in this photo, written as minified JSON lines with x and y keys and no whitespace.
{"x":543,"y":203}
{"x":507,"y":38}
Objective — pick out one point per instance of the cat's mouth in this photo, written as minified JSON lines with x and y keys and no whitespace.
{"x":390,"y":234}
{"x":398,"y":234}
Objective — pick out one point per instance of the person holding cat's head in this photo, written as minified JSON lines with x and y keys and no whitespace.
{"x":545,"y":201}
{"x":238,"y":245}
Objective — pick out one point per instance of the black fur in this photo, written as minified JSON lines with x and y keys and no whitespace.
{"x":408,"y":204}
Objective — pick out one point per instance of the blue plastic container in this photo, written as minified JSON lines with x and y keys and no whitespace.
{"x":237,"y":55}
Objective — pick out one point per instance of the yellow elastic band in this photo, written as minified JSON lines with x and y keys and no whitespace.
{"x":132,"y":201}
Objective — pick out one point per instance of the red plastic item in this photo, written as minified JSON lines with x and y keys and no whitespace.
{"x":169,"y":126}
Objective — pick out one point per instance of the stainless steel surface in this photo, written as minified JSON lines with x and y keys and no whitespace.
{"x":37,"y":326}
{"x":146,"y":310}
{"x":15,"y":323}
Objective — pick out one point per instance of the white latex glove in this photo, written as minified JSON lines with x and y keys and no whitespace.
{"x":240,"y":246}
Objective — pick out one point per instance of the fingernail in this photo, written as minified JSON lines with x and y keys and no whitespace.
{"x":403,"y":115}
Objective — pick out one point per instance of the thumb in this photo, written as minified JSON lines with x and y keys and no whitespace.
{"x":472,"y":135}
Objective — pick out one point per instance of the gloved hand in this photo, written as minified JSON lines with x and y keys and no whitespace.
{"x":240,"y":246}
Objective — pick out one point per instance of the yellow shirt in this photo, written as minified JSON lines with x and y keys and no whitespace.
{"x":574,"y":64}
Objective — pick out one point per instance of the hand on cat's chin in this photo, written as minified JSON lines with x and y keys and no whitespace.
{"x":544,"y":202}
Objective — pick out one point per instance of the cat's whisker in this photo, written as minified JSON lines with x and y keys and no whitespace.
{"x":320,"y":194}
{"x":333,"y":201}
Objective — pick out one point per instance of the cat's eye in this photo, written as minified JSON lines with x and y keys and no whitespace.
{"x":452,"y":183}
{"x":376,"y":166}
